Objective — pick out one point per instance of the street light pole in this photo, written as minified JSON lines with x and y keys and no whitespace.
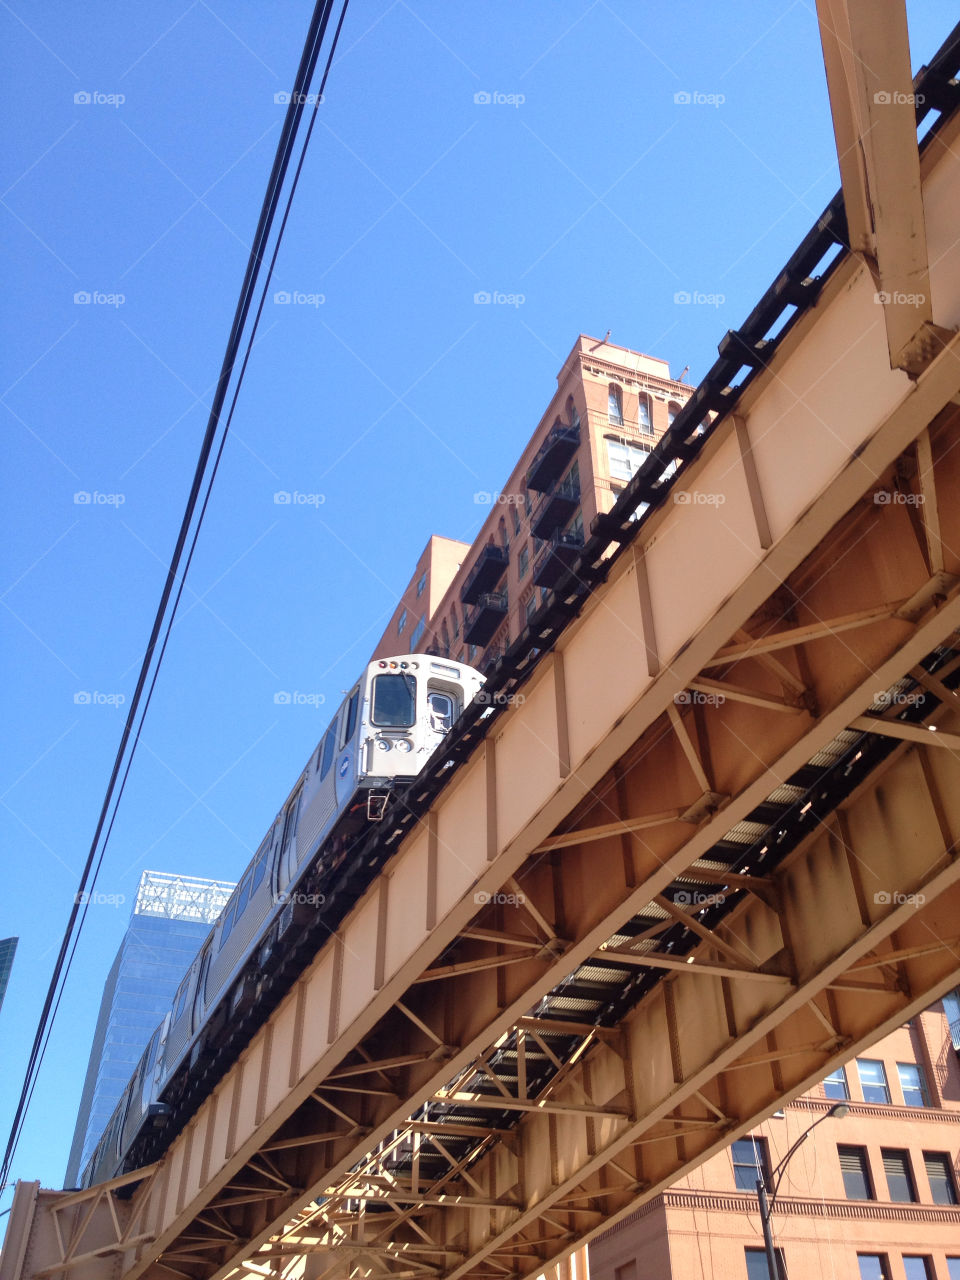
{"x":776,"y":1272}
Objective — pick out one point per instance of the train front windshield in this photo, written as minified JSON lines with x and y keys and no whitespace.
{"x":394,"y":701}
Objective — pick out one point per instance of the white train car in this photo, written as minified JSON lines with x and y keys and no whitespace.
{"x":383,"y":734}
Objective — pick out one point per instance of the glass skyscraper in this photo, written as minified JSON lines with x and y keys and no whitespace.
{"x":170,"y":919}
{"x":7,"y":947}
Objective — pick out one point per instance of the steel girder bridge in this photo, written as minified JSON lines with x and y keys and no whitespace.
{"x":700,"y":848}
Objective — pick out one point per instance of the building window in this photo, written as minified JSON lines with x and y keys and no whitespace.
{"x":856,"y":1173}
{"x":749,"y":1161}
{"x":615,"y":404}
{"x":913,"y":1084}
{"x":628,"y":1271}
{"x":943,"y":1188}
{"x":757,"y":1268}
{"x":473,"y":652}
{"x":625,"y":460}
{"x":896,"y":1166}
{"x":530,"y":608}
{"x":523,"y":560}
{"x":456,"y":624}
{"x":572,"y":415}
{"x":643,"y":414}
{"x":953,"y":1269}
{"x":445,"y":638}
{"x":873,"y":1266}
{"x":417,"y":633}
{"x":672,"y":410}
{"x":873,"y":1080}
{"x":835,"y":1085}
{"x":401,"y":623}
{"x":515,"y":512}
{"x":916,"y":1267}
{"x":502,"y":531}
{"x":421,"y":583}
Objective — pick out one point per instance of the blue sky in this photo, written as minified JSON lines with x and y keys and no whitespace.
{"x":583,"y":187}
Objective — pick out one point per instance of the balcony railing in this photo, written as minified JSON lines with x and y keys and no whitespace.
{"x":553,"y":456}
{"x":555,"y":508}
{"x":556,"y":557}
{"x":481,"y":622}
{"x":485,"y":574}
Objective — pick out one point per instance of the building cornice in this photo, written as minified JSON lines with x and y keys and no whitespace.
{"x":746,"y":1202}
{"x":885,"y":1110}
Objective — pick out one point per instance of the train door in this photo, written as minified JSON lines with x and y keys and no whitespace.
{"x":287,"y":860}
{"x":347,"y":764}
{"x":442,"y":710}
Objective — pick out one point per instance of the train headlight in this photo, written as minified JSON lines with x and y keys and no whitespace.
{"x":404,"y":744}
{"x":383,"y":744}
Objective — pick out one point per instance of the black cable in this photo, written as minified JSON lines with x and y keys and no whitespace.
{"x":305,"y":71}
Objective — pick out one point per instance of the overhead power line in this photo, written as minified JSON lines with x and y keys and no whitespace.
{"x":202,"y":482}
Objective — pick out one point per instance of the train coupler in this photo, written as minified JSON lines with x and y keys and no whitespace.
{"x":376,"y":805}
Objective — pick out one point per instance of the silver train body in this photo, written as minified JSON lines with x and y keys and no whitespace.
{"x":383,"y":734}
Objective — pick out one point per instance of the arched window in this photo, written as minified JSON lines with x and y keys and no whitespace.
{"x":445,"y":638}
{"x":456,"y":622}
{"x":672,"y":410}
{"x":643,"y":414}
{"x":502,"y":532}
{"x":572,"y":416}
{"x":615,"y":404}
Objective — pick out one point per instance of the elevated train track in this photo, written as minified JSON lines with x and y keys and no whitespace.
{"x":702,"y":849}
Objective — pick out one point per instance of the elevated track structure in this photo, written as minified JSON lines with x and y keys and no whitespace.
{"x":698,"y":847}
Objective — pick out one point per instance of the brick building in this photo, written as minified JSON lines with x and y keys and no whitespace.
{"x":468,"y":602}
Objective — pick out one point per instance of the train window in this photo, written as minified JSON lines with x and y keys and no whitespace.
{"x":290,"y":826}
{"x":243,"y":896}
{"x":181,"y":1002}
{"x":228,"y":920}
{"x":441,"y":711}
{"x":326,"y":758}
{"x":260,"y":866}
{"x":350,"y":718}
{"x":394,"y":701}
